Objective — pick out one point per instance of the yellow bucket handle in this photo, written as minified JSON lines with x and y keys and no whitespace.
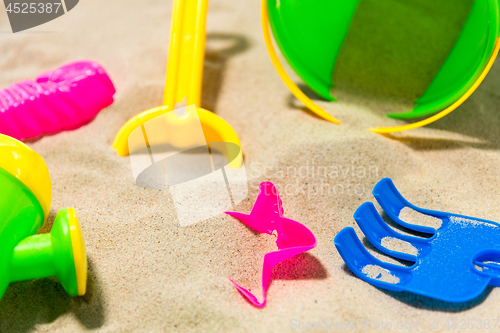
{"x":323,"y":114}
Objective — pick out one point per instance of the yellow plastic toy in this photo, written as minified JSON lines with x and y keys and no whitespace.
{"x":184,"y":79}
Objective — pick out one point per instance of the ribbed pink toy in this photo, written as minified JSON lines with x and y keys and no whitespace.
{"x":63,"y":99}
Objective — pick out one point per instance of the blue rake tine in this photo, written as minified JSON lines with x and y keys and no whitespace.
{"x":357,"y":258}
{"x":455,"y":265}
{"x":494,"y":268}
{"x":392,"y":202}
{"x":375,"y":229}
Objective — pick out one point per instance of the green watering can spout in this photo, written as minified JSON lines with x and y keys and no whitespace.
{"x":24,"y":205}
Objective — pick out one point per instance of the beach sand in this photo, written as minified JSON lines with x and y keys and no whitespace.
{"x":148,"y":274}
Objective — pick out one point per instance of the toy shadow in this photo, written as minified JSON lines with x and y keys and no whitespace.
{"x":427,"y":303}
{"x":293,"y":103}
{"x":219,"y":48}
{"x":303,"y":266}
{"x":27,"y":304}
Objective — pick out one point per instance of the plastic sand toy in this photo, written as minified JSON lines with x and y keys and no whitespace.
{"x":267,"y":217}
{"x":456,"y":264}
{"x":184,"y":77}
{"x":310,"y":35}
{"x":24,"y":206}
{"x":63,"y":99}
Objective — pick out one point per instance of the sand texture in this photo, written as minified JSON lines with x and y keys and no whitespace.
{"x":398,"y":245}
{"x":149,"y":274}
{"x":411,"y":216}
{"x":378,"y":273}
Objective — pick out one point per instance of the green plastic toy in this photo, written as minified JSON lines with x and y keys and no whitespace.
{"x":310,"y":35}
{"x":24,"y":206}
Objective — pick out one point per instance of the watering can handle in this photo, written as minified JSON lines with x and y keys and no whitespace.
{"x":187,"y":52}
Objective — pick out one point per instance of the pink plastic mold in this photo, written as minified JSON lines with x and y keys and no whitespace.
{"x":63,"y":99}
{"x":267,"y":217}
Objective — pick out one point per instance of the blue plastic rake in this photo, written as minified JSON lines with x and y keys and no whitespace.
{"x":455,"y":265}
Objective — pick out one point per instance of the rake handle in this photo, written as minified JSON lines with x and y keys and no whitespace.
{"x":187,"y":52}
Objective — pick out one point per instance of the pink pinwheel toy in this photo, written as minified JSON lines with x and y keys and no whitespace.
{"x":65,"y":98}
{"x":267,"y":217}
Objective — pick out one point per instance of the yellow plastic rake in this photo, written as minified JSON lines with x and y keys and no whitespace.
{"x":184,"y":79}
